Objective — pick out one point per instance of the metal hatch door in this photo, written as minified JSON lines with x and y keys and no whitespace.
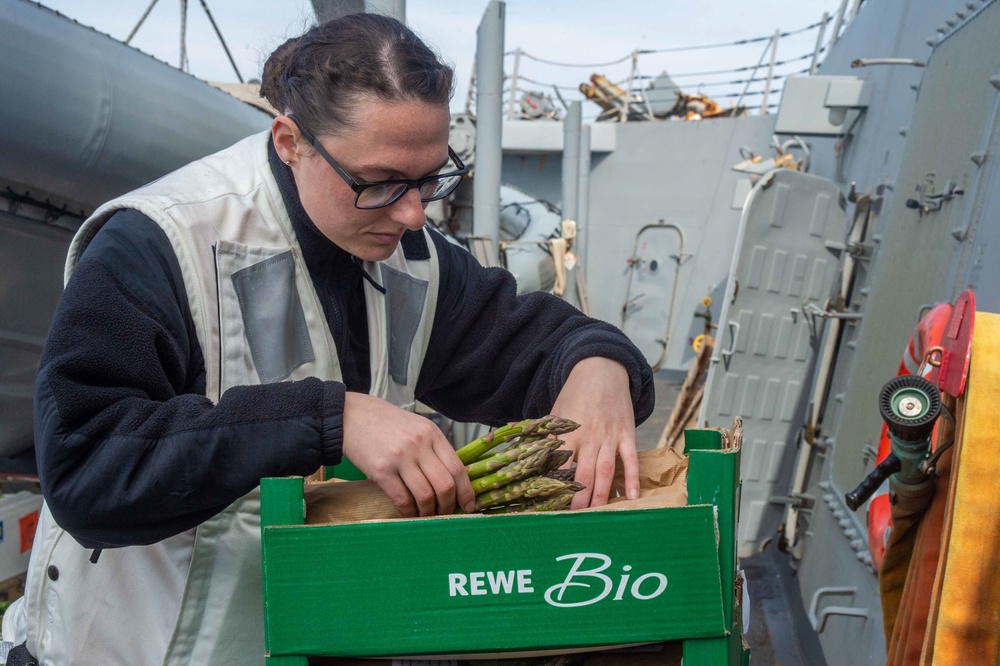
{"x":765,"y":352}
{"x":647,"y":314}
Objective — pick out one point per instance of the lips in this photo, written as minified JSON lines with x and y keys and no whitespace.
{"x":387,"y":238}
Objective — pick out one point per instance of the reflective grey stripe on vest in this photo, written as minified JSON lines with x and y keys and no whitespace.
{"x":263,"y":330}
{"x":405,"y":296}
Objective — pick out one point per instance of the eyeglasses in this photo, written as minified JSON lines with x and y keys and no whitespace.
{"x":387,"y":192}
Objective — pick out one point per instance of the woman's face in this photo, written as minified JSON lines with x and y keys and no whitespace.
{"x":390,"y":140}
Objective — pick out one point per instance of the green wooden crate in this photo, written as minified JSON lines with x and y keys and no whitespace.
{"x":503,"y":583}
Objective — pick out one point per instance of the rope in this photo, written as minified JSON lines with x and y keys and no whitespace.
{"x":777,"y":63}
{"x":708,"y":84}
{"x":736,"y":43}
{"x":570,"y":64}
{"x":773,"y":91}
{"x":671,"y":50}
{"x":751,"y":80}
{"x":539,"y":83}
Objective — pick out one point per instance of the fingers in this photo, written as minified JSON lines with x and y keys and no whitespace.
{"x":604,"y":474}
{"x":397,"y":491}
{"x":596,"y":460}
{"x":599,"y":386}
{"x":595,"y":469}
{"x":427,"y":488}
{"x":421,"y":489}
{"x":435,"y":477}
{"x":406,"y":455}
{"x":585,"y":466}
{"x":630,"y":462}
{"x":464,"y":496}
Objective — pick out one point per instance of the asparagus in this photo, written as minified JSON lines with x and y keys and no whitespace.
{"x":524,"y":474}
{"x":534,"y":428}
{"x":534,"y":465}
{"x":557,"y":502}
{"x":519,"y":469}
{"x":566,"y":475}
{"x":536,"y":486}
{"x":514,"y":452}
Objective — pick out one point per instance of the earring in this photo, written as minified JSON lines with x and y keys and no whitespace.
{"x":287,"y":163}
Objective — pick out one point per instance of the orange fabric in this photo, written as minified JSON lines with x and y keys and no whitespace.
{"x":905,"y":634}
{"x":902,"y":561}
{"x":965,"y":619}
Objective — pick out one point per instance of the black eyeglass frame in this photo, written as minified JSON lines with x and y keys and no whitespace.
{"x":360,"y":186}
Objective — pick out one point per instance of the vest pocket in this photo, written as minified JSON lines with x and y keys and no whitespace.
{"x":260,"y":310}
{"x":404,"y":296}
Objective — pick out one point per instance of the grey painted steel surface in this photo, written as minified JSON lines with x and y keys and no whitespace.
{"x":846,"y":640}
{"x":489,"y":122}
{"x":767,"y":345}
{"x":919,"y":121}
{"x":32,"y":255}
{"x":680,"y":172}
{"x":393,"y":8}
{"x":327,"y":10}
{"x":918,"y":252}
{"x":583,"y":200}
{"x":571,"y":161}
{"x":86,"y":118}
{"x":651,"y":292}
{"x":821,"y":105}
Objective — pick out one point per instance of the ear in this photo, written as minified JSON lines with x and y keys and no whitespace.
{"x":285,"y":136}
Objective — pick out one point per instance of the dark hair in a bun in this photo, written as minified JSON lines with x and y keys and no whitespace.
{"x":270,"y":85}
{"x":321,"y":75}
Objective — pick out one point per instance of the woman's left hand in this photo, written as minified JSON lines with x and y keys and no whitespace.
{"x":596,"y":395}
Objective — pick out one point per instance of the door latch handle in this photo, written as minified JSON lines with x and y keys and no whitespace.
{"x":734,"y":333}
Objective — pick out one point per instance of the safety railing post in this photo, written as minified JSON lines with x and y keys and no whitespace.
{"x":770,"y":71}
{"x":819,"y":43}
{"x":513,"y":84}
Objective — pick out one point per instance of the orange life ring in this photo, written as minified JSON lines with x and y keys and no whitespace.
{"x":926,"y":337}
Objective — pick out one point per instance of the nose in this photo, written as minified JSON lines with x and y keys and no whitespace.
{"x":409,"y":210}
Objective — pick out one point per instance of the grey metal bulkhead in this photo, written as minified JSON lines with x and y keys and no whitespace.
{"x":651,"y":294}
{"x":769,"y":337}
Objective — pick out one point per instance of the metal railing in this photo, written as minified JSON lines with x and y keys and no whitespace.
{"x":749,"y":88}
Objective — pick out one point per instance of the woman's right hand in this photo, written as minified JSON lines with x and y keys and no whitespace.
{"x":406,"y":455}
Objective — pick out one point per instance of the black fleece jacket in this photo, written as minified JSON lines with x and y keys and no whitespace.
{"x":129,"y":449}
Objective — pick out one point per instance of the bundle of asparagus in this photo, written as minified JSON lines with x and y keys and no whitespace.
{"x":525,"y":475}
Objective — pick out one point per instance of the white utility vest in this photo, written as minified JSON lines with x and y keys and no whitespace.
{"x":196,"y":598}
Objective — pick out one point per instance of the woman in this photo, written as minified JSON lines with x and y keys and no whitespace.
{"x":264,"y":311}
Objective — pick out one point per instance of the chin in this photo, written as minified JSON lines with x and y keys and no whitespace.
{"x":380,"y":253}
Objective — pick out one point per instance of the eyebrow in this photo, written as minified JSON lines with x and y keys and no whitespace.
{"x":393,"y":173}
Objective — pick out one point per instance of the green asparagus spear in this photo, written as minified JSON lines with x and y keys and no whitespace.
{"x":557,"y":502}
{"x":538,"y":428}
{"x":512,"y":453}
{"x":536,"y":486}
{"x":555,"y":460}
{"x":566,"y":475}
{"x":533,"y":465}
